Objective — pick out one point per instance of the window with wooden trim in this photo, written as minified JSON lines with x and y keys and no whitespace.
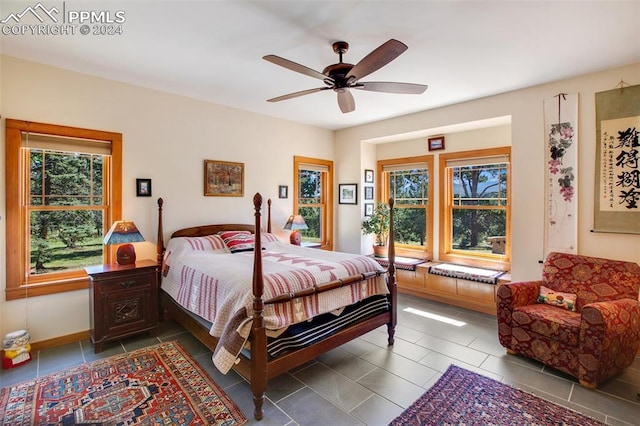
{"x":475,"y":204}
{"x":63,"y":192}
{"x":313,"y":199}
{"x":408,"y":181}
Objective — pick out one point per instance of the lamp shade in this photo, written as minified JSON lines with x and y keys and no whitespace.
{"x":124,"y":232}
{"x":295,"y":223}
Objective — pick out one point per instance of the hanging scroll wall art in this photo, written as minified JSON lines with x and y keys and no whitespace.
{"x":617,"y":186}
{"x":561,"y":160}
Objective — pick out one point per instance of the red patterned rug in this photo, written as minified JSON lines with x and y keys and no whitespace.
{"x":462,"y":397}
{"x":157,"y":385}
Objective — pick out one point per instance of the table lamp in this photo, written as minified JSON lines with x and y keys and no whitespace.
{"x":124,"y":232}
{"x":295,"y":224}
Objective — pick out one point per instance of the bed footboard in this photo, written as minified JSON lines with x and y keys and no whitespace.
{"x":257,"y":368}
{"x":261,"y":369}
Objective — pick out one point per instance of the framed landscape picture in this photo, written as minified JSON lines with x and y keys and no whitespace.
{"x":223,"y":178}
{"x":435,"y":143}
{"x":348,"y":193}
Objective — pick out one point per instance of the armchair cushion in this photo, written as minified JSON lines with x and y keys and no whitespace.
{"x":546,"y":321}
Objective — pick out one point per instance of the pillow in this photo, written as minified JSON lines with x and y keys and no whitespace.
{"x":209,"y":243}
{"x":269,"y":238}
{"x":557,"y":298}
{"x":229,"y":234}
{"x":238,"y":241}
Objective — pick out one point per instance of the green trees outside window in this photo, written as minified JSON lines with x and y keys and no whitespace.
{"x":479,"y":206}
{"x":310,"y":203}
{"x":66,"y":210}
{"x":410,"y":189}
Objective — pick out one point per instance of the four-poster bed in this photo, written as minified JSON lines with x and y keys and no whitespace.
{"x":277,"y":293}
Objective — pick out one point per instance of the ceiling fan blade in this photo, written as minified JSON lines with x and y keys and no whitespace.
{"x":375,"y":60}
{"x":293,"y":66}
{"x":390,"y":87}
{"x":296,"y":94}
{"x":345,"y":100}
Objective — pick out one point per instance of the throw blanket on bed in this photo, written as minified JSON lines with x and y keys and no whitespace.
{"x":218,"y":287}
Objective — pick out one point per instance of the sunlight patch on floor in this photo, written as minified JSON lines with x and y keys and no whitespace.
{"x":436,"y":317}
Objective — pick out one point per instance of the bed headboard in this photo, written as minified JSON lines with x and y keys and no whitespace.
{"x":200,"y":231}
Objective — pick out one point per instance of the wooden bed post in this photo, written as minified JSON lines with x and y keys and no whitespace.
{"x":162,"y":315}
{"x":160,"y":240}
{"x":269,"y":215}
{"x":393,"y":291}
{"x":258,"y":332}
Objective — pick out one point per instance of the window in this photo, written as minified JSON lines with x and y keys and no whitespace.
{"x":313,"y":200}
{"x":475,"y":207}
{"x":63,"y":186}
{"x":407,"y":180}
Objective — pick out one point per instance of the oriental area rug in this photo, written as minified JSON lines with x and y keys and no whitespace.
{"x":157,"y":385}
{"x":461,"y":397}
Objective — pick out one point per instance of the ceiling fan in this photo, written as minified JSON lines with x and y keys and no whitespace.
{"x":343,"y":77}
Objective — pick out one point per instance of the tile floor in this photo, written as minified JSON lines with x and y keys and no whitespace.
{"x":365,"y":382}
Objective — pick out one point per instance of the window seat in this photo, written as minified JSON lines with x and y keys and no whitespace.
{"x":405,"y":263}
{"x":471,"y":288}
{"x":488,"y":276}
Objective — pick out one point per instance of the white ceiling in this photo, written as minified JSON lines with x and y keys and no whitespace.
{"x":212,"y":50}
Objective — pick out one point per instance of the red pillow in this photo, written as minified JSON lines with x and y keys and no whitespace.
{"x":238,"y":241}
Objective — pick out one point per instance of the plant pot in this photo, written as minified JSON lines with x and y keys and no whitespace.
{"x":380,"y":251}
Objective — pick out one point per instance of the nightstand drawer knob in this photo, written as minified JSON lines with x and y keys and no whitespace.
{"x":127,"y":284}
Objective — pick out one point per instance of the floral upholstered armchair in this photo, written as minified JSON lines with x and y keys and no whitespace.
{"x":582,"y":318}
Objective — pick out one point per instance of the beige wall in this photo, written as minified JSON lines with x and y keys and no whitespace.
{"x":525,"y":107}
{"x":167,"y":137}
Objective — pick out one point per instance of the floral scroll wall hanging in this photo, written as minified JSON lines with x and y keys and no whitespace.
{"x":561,"y":161}
{"x":617,"y":186}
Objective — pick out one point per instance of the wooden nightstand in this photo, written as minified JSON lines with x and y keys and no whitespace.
{"x":123,"y":300}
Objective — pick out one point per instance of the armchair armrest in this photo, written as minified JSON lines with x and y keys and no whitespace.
{"x":510,"y":296}
{"x":519,"y":294}
{"x":609,"y":338}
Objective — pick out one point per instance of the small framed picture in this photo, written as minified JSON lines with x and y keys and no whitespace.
{"x":283,"y":191}
{"x":368,"y":176}
{"x":368,"y":192}
{"x":223,"y":178}
{"x":143,"y":187}
{"x":348,"y":193}
{"x":435,"y":143}
{"x":368,"y":209}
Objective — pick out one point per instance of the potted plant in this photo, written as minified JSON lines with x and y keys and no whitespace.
{"x":378,"y":224}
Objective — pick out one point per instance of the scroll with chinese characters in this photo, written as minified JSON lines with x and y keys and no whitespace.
{"x":617,"y":187}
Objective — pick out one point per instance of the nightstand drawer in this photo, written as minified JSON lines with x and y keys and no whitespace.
{"x":127,"y":282}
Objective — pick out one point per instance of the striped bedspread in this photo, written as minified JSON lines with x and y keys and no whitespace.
{"x":218,"y":287}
